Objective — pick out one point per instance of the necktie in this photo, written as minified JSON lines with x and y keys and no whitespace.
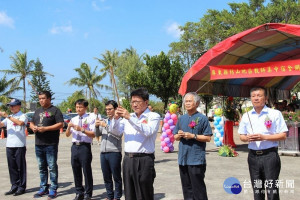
{"x":78,"y":137}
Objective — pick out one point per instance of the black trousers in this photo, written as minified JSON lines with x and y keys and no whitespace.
{"x":17,"y":167}
{"x":138,"y":177}
{"x":192,"y":181}
{"x":264,"y":169}
{"x":81,"y":160}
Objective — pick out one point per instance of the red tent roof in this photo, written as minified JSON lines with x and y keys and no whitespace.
{"x":265,"y":43}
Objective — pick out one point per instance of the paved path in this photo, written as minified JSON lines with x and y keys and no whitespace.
{"x":167,"y":183}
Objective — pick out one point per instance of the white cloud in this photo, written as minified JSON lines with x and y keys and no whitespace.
{"x":173,"y":29}
{"x":6,"y":20}
{"x":61,"y":29}
{"x":96,"y":7}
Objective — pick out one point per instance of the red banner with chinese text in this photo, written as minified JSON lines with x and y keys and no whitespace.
{"x":255,"y":70}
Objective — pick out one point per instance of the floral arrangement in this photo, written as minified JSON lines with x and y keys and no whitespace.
{"x":291,"y":116}
{"x":194,"y":123}
{"x":229,"y":111}
{"x":227,"y":151}
{"x":268,"y":122}
{"x":85,"y":125}
{"x":48,"y":114}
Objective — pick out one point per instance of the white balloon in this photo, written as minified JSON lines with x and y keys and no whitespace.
{"x":221,"y":123}
{"x":218,"y":135}
{"x":221,"y":139}
{"x":216,"y":131}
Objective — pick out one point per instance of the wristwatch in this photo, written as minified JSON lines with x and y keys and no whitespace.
{"x":195,"y":136}
{"x":83,"y":131}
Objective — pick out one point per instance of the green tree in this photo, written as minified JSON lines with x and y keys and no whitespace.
{"x":70,"y":102}
{"x":23,"y":69}
{"x":161,"y":77}
{"x":109,"y":62}
{"x":128,"y":61}
{"x":7,"y":88}
{"x":88,"y":79}
{"x":216,"y":25}
{"x":39,"y":81}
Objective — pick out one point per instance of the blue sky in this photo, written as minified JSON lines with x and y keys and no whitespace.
{"x":65,"y":33}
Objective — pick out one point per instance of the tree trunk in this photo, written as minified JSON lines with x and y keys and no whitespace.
{"x":24,"y":94}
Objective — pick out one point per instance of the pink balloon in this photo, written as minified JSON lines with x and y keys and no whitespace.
{"x":168,"y":132}
{"x":165,"y":120}
{"x":170,"y":122}
{"x":175,"y":121}
{"x":172,"y":140}
{"x":163,"y":129}
{"x":163,"y":144}
{"x":174,"y":117}
{"x":166,"y":126}
{"x":166,"y":149}
{"x":162,"y":138}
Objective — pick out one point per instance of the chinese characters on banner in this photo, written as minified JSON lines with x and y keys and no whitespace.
{"x":255,"y":70}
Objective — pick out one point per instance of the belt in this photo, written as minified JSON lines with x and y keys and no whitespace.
{"x":131,"y":155}
{"x":263,"y":151}
{"x":81,"y":143}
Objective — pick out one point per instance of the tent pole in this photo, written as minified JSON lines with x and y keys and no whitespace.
{"x":202,"y":86}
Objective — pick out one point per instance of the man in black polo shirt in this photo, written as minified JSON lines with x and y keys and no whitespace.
{"x":46,"y":123}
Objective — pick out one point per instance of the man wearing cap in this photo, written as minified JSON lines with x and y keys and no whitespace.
{"x":15,"y":147}
{"x":46,"y":123}
{"x":262,"y":128}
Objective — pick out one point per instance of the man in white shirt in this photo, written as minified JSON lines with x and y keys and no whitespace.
{"x":263,"y":127}
{"x":15,"y":147}
{"x":140,"y":130}
{"x":82,"y":128}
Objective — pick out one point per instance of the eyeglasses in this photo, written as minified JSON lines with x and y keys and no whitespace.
{"x":136,"y":102}
{"x":109,"y":109}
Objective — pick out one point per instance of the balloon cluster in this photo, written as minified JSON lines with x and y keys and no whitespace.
{"x":167,"y":137}
{"x":219,"y":127}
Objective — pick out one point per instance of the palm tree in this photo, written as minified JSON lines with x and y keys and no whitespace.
{"x":109,"y":62}
{"x":7,"y":87}
{"x":22,"y":69}
{"x":89,"y":80}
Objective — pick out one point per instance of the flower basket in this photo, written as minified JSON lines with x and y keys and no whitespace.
{"x":227,"y":151}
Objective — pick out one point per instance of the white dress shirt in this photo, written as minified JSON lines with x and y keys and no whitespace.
{"x":16,"y":136}
{"x":88,"y":123}
{"x":258,"y":126}
{"x":139,"y":133}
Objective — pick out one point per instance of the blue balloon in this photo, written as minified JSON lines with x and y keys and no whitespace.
{"x":219,"y":127}
{"x":216,"y":123}
{"x":221,"y":131}
{"x":218,"y":118}
{"x":216,"y":139}
{"x":218,"y":143}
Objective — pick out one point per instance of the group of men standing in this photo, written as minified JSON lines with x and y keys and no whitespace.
{"x":139,"y":129}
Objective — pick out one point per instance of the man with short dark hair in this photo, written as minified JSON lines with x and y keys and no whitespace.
{"x":262,"y":128}
{"x":140,"y":130}
{"x":82,"y":129}
{"x":46,"y":123}
{"x":110,"y":156}
{"x":15,"y":147}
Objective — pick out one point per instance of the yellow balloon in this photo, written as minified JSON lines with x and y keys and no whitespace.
{"x":173,"y":108}
{"x":218,"y":111}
